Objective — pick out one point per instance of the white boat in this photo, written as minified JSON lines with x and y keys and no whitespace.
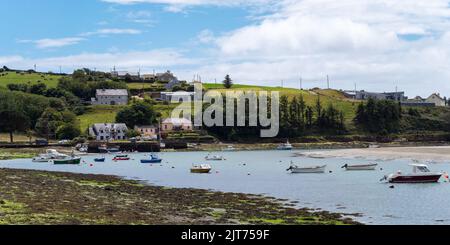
{"x":421,"y":174}
{"x":215,"y":158}
{"x":229,"y":148}
{"x":360,"y":167}
{"x":201,"y":169}
{"x":49,"y":155}
{"x":307,"y":170}
{"x":285,"y":147}
{"x":374,"y":146}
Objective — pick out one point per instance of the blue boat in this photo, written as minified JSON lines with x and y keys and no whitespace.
{"x":100,"y":159}
{"x":154,"y":159}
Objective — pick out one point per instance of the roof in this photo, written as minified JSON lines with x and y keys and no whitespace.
{"x":177,"y":121}
{"x":112,"y":92}
{"x":103,"y":126}
{"x":436,"y":95}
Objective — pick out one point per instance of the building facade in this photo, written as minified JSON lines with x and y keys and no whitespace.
{"x":178,"y":96}
{"x":110,"y":97}
{"x":109,"y":131}
{"x":150,"y":132}
{"x":436,"y":99}
{"x":176,"y":124}
{"x":364,"y":95}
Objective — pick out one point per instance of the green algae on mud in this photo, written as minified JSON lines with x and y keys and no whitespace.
{"x":38,"y":197}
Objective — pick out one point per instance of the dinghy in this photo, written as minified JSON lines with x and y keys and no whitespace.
{"x":102,"y":159}
{"x":285,"y":147}
{"x":121,"y":158}
{"x":307,"y":170}
{"x":201,"y":169}
{"x":360,"y":167}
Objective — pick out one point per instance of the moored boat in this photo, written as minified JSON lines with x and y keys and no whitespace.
{"x":361,"y":167}
{"x":69,"y":160}
{"x":101,"y":159}
{"x":121,"y":158}
{"x":201,"y":169}
{"x":214,"y":158}
{"x":285,"y":147}
{"x":49,"y":155}
{"x":229,"y":148}
{"x":153,"y":159}
{"x":307,"y":170}
{"x":421,"y":174}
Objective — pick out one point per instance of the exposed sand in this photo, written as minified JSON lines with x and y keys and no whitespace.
{"x":433,"y":153}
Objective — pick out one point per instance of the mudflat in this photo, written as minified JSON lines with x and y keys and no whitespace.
{"x":39,"y":197}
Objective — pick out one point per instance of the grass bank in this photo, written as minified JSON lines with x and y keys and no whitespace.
{"x":37,"y":197}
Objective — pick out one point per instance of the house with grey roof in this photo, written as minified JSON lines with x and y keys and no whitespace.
{"x":108,"y":131}
{"x":110,"y":97}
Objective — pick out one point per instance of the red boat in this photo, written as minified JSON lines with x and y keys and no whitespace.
{"x":420,"y":174}
{"x":121,"y":158}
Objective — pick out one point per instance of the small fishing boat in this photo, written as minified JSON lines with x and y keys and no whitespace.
{"x":49,"y":155}
{"x":153,"y":159}
{"x":285,"y":147}
{"x":69,"y":160}
{"x":121,"y":158}
{"x":215,"y":158}
{"x":101,"y":159}
{"x":421,"y":174}
{"x":306,"y":170}
{"x":360,"y":167}
{"x":201,"y":169}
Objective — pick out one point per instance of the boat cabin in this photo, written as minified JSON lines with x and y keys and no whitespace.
{"x":420,"y":168}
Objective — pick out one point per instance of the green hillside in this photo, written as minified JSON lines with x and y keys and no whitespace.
{"x":327,"y":96}
{"x":28,"y":78}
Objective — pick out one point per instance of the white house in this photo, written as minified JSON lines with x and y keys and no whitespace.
{"x":176,"y":124}
{"x":436,"y":99}
{"x":109,"y":131}
{"x":178,"y":96}
{"x":110,"y":97}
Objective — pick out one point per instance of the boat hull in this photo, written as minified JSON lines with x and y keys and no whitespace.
{"x":415,"y":178}
{"x":314,"y":170}
{"x":100,"y":160}
{"x":121,"y":159}
{"x":152,"y":161}
{"x":74,"y":161}
{"x":200,"y":171}
{"x":361,"y":167}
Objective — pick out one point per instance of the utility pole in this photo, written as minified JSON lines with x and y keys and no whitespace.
{"x":328,"y":82}
{"x":301,"y":83}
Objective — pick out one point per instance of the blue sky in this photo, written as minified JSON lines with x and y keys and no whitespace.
{"x":375,"y":44}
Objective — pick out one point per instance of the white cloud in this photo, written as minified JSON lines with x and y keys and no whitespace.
{"x":112,"y":31}
{"x":351,"y":40}
{"x":103,"y":61}
{"x":54,"y":43}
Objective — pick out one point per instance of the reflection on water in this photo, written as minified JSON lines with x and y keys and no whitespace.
{"x":264,"y":172}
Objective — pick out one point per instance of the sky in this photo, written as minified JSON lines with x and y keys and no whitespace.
{"x":377,"y":45}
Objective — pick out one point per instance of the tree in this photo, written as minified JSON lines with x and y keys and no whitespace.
{"x":68,"y":131}
{"x":139,"y":113}
{"x":12,"y":115}
{"x":228,"y":83}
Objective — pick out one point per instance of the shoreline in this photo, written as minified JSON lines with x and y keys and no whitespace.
{"x":42,"y":197}
{"x":417,"y":153}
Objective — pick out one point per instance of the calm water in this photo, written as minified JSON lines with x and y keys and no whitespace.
{"x":339,"y":191}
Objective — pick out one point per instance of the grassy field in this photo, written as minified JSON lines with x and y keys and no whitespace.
{"x":98,"y":114}
{"x":25,"y":78}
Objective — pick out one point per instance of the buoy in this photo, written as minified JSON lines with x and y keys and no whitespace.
{"x":392,"y":187}
{"x":331,"y":172}
{"x":381,"y":169}
{"x":248,"y":174}
{"x":91,"y":165}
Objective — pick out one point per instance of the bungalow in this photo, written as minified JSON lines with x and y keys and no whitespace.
{"x":110,"y":97}
{"x":150,"y":132}
{"x":109,"y":131}
{"x":176,"y":124}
